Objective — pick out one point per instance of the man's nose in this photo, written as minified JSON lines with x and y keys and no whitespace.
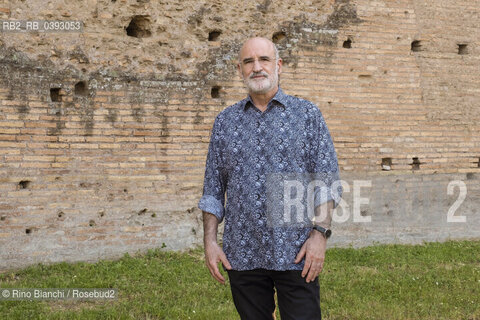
{"x":257,"y":67}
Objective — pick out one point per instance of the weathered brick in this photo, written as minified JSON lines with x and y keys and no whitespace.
{"x":7,"y":124}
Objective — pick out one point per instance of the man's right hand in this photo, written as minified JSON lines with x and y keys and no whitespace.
{"x":213,"y":255}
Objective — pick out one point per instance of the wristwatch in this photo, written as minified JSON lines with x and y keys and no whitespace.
{"x":325,"y":232}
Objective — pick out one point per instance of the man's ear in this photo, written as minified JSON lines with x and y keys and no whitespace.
{"x":280,"y":63}
{"x":239,"y":70}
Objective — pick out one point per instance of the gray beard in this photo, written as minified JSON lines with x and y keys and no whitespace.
{"x":264,"y":89}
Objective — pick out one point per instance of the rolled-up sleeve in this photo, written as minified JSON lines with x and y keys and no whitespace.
{"x":324,"y":163}
{"x":215,"y":183}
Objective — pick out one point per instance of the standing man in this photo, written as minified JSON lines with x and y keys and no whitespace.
{"x":269,"y":132}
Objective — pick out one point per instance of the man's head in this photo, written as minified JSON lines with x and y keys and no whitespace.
{"x":259,"y":65}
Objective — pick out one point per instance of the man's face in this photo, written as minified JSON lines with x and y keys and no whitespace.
{"x":258,"y":66}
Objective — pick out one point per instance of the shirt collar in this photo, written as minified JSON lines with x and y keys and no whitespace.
{"x":280,"y":97}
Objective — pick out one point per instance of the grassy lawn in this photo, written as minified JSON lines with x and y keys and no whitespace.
{"x":430,"y":281}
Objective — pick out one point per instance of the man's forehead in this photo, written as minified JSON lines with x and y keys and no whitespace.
{"x":257,"y":47}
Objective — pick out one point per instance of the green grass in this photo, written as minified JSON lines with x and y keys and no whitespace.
{"x":430,"y":281}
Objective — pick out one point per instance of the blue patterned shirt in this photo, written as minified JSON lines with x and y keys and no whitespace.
{"x":247,"y":145}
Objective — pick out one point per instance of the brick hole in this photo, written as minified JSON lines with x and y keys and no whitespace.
{"x":81,"y":89}
{"x":215,"y":92}
{"x":279,"y":37}
{"x":416,"y":46}
{"x":415,"y":164}
{"x":24,"y":184}
{"x":55,"y":95}
{"x":28,"y":231}
{"x":478,"y":163}
{"x":101,"y":213}
{"x":462,"y":48}
{"x":125,"y":190}
{"x":153,"y":215}
{"x":141,"y":212}
{"x":3,"y":218}
{"x":214,"y":35}
{"x":364,"y":76}
{"x":60,"y":214}
{"x":139,"y":27}
{"x":386,"y":164}
{"x":347,"y":43}
{"x":92,"y":223}
{"x":470,"y":176}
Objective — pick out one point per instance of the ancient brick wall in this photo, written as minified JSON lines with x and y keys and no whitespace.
{"x":104,"y":132}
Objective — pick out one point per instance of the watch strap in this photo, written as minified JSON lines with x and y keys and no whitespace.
{"x":325,"y":232}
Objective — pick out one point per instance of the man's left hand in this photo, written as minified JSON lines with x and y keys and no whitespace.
{"x":314,"y":252}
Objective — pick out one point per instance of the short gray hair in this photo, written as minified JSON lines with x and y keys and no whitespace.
{"x":277,"y":56}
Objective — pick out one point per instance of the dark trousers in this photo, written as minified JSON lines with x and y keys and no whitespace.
{"x":253,"y":294}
